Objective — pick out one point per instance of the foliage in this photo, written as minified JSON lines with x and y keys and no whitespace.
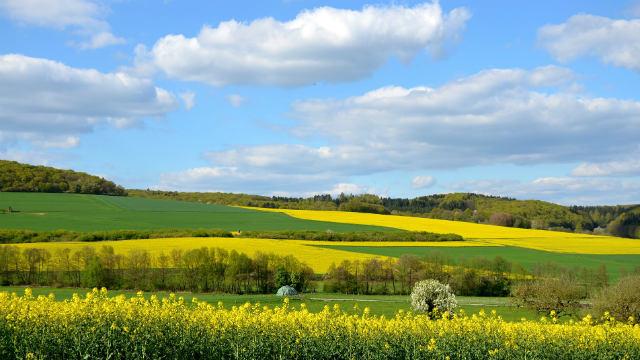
{"x":28,"y":236}
{"x":97,"y":326}
{"x":15,"y":176}
{"x":202,"y":269}
{"x":622,"y":300}
{"x":432,"y":297}
{"x":562,"y":295}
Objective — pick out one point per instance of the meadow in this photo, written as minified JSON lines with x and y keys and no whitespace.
{"x":528,"y":258}
{"x":100,"y":326}
{"x":87,"y":213}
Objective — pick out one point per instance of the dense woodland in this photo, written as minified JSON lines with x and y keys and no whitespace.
{"x":19,"y":177}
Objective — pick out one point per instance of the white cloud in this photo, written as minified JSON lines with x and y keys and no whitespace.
{"x":102,"y":39}
{"x":495,"y":116}
{"x":422,"y":182}
{"x":189,"y":99}
{"x":613,"y":41}
{"x":34,"y":157}
{"x":629,"y":167}
{"x":231,"y":179}
{"x":48,"y":103}
{"x":321,"y":45}
{"x":562,"y":190}
{"x":84,"y":17}
{"x":236,"y":100}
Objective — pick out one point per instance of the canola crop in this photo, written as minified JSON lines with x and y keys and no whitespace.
{"x":319,"y":259}
{"x":479,"y":233}
{"x":99,"y":326}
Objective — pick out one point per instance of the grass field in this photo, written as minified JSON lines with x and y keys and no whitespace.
{"x":525,"y":257}
{"x":387,"y":305}
{"x":42,"y":211}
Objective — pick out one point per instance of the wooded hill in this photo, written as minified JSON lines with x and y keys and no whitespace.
{"x":17,"y":177}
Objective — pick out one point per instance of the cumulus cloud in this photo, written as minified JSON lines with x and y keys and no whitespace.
{"x":629,"y":167}
{"x":613,"y":41}
{"x":495,"y":116}
{"x":562,"y":190}
{"x":321,"y":45}
{"x":48,"y":103}
{"x":84,"y":17}
{"x":513,"y":116}
{"x":236,"y":100}
{"x":422,"y":182}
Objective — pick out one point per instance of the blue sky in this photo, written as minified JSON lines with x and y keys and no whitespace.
{"x":533,"y":100}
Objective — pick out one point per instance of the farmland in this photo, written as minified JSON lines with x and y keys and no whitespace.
{"x":498,"y":235}
{"x":100,"y":326}
{"x":79,"y":212}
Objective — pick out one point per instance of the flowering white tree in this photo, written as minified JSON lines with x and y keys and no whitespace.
{"x":428,"y":295}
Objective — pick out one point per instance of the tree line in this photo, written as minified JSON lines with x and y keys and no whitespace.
{"x":197,"y":270}
{"x":17,"y":177}
{"x":32,"y":236}
{"x":479,"y":276}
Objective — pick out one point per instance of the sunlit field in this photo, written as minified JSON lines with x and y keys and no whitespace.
{"x":99,"y":326}
{"x":497,"y":235}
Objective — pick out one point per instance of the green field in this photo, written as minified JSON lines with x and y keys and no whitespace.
{"x":85,"y":213}
{"x":387,"y":305}
{"x":528,"y":258}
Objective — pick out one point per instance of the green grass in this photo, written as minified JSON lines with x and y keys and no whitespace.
{"x":525,"y":257}
{"x":387,"y":305}
{"x":85,"y":213}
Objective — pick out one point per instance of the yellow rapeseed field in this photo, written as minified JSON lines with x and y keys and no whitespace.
{"x":101,"y":327}
{"x":488,"y":234}
{"x":319,"y":259}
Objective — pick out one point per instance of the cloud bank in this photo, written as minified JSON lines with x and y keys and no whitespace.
{"x":48,"y":103}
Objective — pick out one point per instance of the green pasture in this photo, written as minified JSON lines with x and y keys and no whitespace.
{"x":528,"y":258}
{"x":86,"y":213}
{"x":387,"y":305}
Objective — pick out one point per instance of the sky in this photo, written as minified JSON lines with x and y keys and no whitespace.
{"x":531,"y":100}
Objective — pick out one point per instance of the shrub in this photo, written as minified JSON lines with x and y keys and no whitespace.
{"x":621,"y":300}
{"x":431,"y":295}
{"x":561,"y":295}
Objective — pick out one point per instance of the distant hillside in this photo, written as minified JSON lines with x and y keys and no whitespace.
{"x":17,"y":177}
{"x":615,"y":220}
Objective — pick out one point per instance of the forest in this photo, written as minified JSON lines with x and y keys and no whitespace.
{"x":18,"y":177}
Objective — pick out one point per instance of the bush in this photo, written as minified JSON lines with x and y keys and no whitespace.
{"x":545,"y":295}
{"x":431,"y":297}
{"x":621,"y":300}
